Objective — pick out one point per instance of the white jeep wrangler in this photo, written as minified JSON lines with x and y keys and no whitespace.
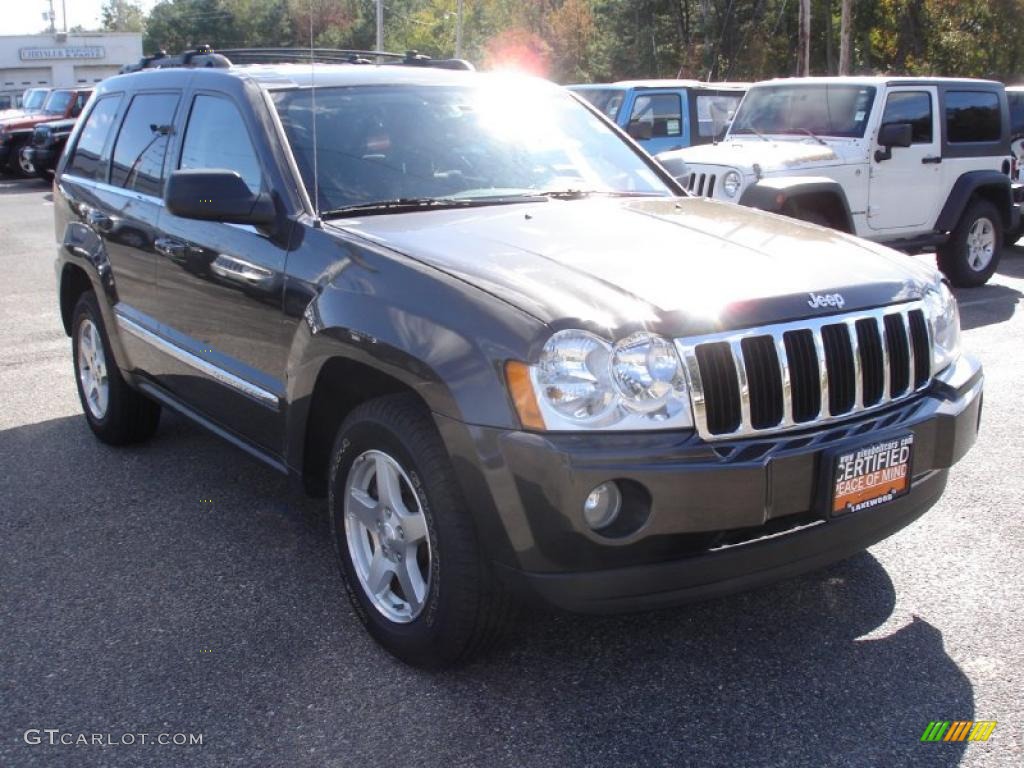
{"x":914,"y":163}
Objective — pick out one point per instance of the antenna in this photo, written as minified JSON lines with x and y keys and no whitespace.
{"x":312,"y":95}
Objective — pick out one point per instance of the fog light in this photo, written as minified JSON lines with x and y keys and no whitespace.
{"x":602,"y":506}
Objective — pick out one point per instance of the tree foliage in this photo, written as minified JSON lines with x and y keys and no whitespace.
{"x":598,"y":40}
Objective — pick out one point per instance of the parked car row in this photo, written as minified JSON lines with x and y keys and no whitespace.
{"x":914,"y":163}
{"x":517,"y":359}
{"x":32,"y":138}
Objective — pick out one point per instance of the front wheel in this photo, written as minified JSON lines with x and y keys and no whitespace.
{"x":116,"y":413}
{"x":971,"y":255}
{"x":406,"y":541}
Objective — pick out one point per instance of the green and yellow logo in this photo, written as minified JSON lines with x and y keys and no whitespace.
{"x":958,"y":730}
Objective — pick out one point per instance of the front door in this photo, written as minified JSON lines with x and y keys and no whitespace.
{"x":905,"y":189}
{"x":658,"y":120}
{"x":221,"y":289}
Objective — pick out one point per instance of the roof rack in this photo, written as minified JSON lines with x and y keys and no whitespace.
{"x":205,"y":56}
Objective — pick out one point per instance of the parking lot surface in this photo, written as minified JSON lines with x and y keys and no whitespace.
{"x":181,"y":587}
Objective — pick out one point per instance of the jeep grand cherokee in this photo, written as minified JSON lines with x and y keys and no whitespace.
{"x":514,"y":355}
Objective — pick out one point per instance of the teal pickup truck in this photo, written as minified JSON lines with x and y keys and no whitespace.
{"x":663,"y":115}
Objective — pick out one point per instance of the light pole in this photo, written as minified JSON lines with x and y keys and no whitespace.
{"x":380,"y":25}
{"x":458,"y":30}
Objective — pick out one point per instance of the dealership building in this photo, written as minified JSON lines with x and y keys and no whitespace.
{"x":63,"y":60}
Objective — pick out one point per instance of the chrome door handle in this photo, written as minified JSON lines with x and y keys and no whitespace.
{"x":167,"y":246}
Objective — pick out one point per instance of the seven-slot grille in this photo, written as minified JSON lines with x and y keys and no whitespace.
{"x":781,"y":377}
{"x":701,"y":184}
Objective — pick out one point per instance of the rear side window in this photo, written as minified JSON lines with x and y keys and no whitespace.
{"x":88,"y":161}
{"x":216,"y":137}
{"x":1016,"y":113}
{"x":660,"y":112}
{"x":914,"y":107}
{"x":142,"y":143}
{"x":972,"y":116}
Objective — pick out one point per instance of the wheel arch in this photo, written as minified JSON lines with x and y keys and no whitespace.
{"x":74,"y":281}
{"x":985,"y":185}
{"x":820,"y":194}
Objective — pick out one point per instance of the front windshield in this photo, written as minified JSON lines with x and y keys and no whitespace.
{"x":607,"y":100}
{"x":57,"y":103}
{"x":822,"y":109}
{"x":34,"y":99}
{"x":395,"y":142}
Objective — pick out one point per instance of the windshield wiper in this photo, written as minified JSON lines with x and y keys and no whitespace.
{"x":753,"y":130}
{"x":814,"y":136}
{"x":579,"y":194}
{"x":402,"y":204}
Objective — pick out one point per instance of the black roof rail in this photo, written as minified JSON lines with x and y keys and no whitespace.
{"x":205,"y":56}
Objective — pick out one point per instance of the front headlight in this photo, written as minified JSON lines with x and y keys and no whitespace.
{"x":583,"y":382}
{"x":731,"y":183}
{"x":944,"y":322}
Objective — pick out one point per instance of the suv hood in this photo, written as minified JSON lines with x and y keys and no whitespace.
{"x":772,"y":156}
{"x":680,"y":266}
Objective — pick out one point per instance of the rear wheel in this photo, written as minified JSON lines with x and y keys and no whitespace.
{"x":116,"y":413}
{"x":405,"y":539}
{"x":971,"y":255}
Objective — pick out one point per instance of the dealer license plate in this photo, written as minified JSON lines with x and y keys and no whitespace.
{"x":871,"y":475}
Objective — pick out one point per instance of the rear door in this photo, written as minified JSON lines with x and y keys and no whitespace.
{"x":658,"y":119}
{"x":221,"y":288}
{"x":906,"y":190}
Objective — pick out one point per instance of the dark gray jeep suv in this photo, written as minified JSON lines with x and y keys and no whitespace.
{"x":517,"y":359}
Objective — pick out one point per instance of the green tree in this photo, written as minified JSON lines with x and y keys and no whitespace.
{"x":122,"y":16}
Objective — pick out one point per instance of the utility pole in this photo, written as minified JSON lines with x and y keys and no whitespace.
{"x":458,"y":30}
{"x":64,"y":14}
{"x":804,"y":65}
{"x":845,"y":32}
{"x":51,"y":17}
{"x":380,"y":25}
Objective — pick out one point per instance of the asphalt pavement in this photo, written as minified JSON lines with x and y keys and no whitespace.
{"x":179,"y":587}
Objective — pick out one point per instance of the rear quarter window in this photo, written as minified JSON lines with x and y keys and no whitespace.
{"x":88,"y":160}
{"x":972,"y":117}
{"x":1016,"y":101}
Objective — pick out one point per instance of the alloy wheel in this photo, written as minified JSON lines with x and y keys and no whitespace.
{"x":92,"y":369}
{"x":387,"y":536}
{"x":981,"y":244}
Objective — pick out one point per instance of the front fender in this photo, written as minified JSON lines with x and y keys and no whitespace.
{"x":774,"y":193}
{"x":446,"y":340}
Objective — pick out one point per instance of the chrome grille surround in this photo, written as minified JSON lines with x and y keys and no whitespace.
{"x":702,"y":393}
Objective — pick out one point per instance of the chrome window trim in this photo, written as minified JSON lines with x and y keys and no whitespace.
{"x":250,"y":390}
{"x":105,"y":187}
{"x":687,"y":350}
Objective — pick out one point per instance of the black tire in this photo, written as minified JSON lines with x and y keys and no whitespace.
{"x":465,"y":608}
{"x":129,"y":416}
{"x":954,"y":258}
{"x":1013,"y":235}
{"x":14,"y":162}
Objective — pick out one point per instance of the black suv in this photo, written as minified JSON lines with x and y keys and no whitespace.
{"x":514,"y":355}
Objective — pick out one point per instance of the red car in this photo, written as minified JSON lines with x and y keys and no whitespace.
{"x":16,"y":131}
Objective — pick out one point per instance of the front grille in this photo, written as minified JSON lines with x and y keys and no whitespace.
{"x":781,"y":377}
{"x":701,"y":184}
{"x":40,"y":137}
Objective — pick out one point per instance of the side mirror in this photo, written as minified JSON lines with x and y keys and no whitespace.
{"x":893,"y":135}
{"x":216,"y":195}
{"x":639,"y":130}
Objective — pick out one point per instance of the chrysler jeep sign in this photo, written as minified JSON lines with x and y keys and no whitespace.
{"x":64,"y":52}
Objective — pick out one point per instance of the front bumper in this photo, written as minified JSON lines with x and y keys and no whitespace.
{"x":722,"y":517}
